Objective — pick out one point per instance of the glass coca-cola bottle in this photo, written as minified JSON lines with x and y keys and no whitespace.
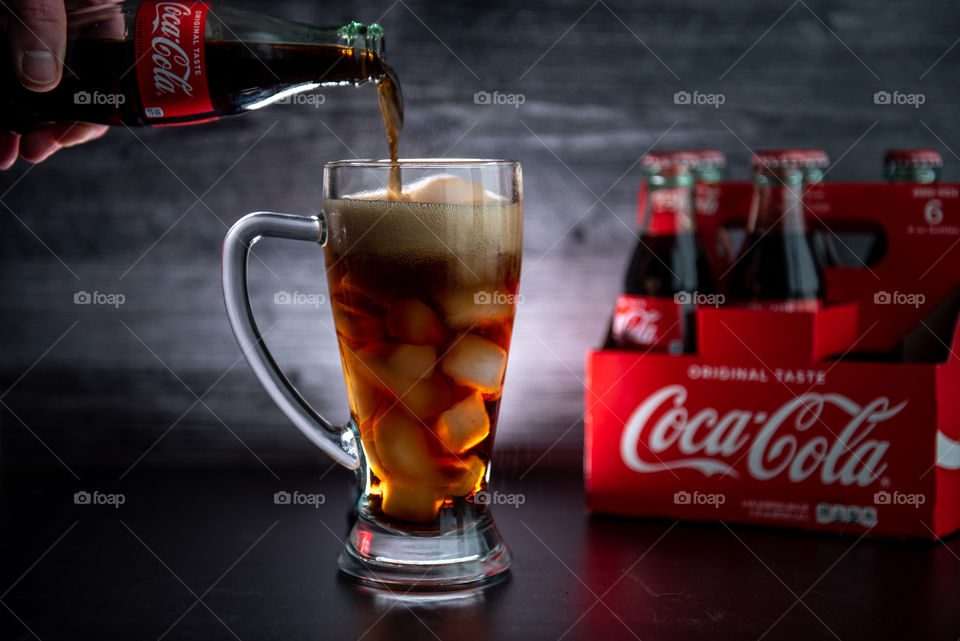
{"x":167,"y":63}
{"x":668,"y":274}
{"x":828,"y":244}
{"x":777,"y":267}
{"x":915,"y":166}
{"x":708,"y":173}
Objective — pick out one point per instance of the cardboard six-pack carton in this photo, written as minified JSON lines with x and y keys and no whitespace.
{"x":844,"y":419}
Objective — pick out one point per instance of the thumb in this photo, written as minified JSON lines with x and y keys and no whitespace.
{"x":38,"y":40}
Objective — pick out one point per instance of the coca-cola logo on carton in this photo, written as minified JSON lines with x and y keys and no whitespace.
{"x":761,"y":445}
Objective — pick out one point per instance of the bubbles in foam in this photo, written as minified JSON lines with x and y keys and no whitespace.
{"x":439,"y":190}
{"x":440,"y":217}
{"x":450,"y":190}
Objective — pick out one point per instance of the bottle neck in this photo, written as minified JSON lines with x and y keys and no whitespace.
{"x":906,"y":174}
{"x":709,"y":175}
{"x":669,"y":207}
{"x":363,"y":44}
{"x":813,"y":175}
{"x":778,"y":202}
{"x":329,"y":54}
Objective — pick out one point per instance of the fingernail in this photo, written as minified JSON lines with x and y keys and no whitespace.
{"x":38,"y":67}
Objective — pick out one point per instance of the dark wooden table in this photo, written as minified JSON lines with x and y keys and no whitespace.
{"x":210,"y":556}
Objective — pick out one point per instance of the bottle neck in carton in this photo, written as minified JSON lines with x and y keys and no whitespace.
{"x":669,"y":205}
{"x":777,"y":204}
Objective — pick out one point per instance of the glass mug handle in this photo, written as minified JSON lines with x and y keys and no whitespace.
{"x":338,"y":442}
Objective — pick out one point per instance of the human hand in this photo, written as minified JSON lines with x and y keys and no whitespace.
{"x":36,"y":32}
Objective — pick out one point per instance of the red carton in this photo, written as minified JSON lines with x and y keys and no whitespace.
{"x":785,"y":418}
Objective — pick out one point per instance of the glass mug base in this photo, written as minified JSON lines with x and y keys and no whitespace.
{"x":469,"y":553}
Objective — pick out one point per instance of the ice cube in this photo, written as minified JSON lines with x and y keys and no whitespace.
{"x":402,"y":447}
{"x":464,"y":425}
{"x":449,"y":190}
{"x":411,"y":502}
{"x":472,"y":469}
{"x":371,"y":364}
{"x":413,"y":321}
{"x":373,"y":459}
{"x":356,"y":325}
{"x":363,"y":390}
{"x":427,"y":397}
{"x":423,"y":397}
{"x":353,"y":294}
{"x":476,"y":362}
{"x":364,"y":397}
{"x":414,"y":361}
{"x":468,"y":307}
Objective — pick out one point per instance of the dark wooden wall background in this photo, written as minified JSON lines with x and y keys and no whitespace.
{"x":142,"y":213}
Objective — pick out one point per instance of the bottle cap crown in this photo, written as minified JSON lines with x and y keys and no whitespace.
{"x":784,"y":158}
{"x":913,"y":158}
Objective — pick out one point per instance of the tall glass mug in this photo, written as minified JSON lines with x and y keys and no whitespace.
{"x":423,"y":292}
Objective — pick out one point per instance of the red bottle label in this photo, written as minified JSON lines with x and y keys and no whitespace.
{"x":647,"y":322}
{"x":171,"y":62}
{"x":670,"y":211}
{"x":707,"y":198}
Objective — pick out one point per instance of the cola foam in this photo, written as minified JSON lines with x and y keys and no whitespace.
{"x":441,"y":218}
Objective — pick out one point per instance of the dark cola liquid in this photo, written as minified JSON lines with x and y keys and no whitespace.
{"x":665,"y":265}
{"x":238,"y":74}
{"x":776,"y":266}
{"x":391,"y":109}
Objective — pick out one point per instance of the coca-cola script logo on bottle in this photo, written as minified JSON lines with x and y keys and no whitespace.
{"x":171,"y":66}
{"x":647,"y":322}
{"x":783,"y":442}
{"x":640,"y":326}
{"x":670,"y":201}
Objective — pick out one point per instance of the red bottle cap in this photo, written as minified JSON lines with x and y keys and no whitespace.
{"x":778,"y":158}
{"x":711,"y":157}
{"x":662,"y":159}
{"x":913,"y":158}
{"x":817,"y":158}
